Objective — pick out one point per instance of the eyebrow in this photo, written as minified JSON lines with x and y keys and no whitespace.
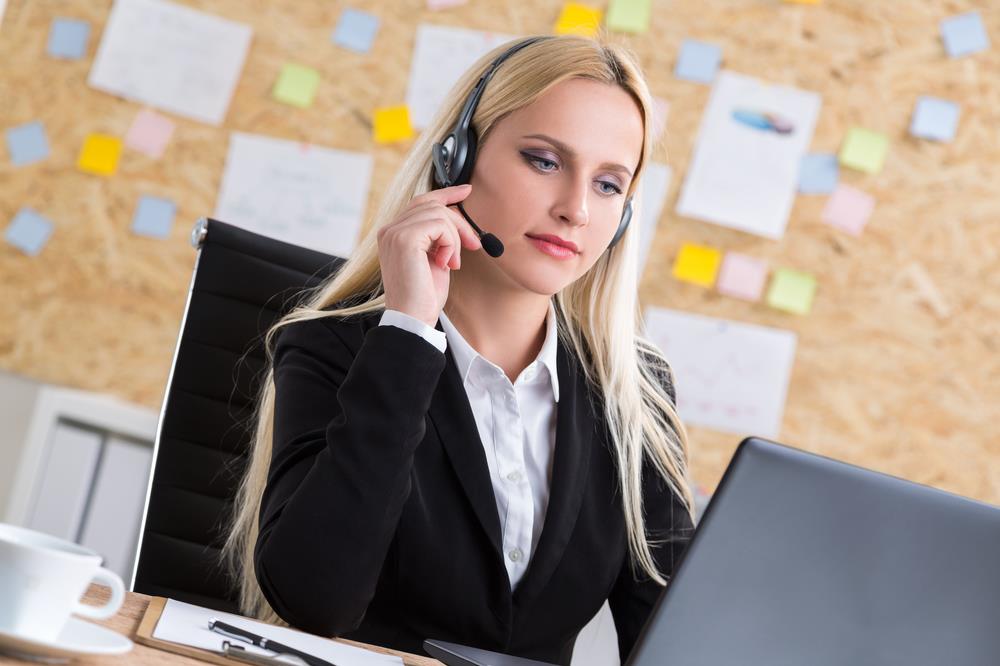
{"x":572,"y":153}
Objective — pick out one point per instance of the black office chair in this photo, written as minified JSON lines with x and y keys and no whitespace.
{"x":241,"y":284}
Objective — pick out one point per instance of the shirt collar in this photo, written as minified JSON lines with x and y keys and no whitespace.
{"x":464,"y":354}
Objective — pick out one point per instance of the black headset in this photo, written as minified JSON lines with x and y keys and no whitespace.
{"x":455,"y":156}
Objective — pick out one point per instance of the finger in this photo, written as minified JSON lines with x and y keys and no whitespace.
{"x":445,"y":195}
{"x":463,"y":235}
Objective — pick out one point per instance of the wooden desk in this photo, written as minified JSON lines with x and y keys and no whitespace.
{"x":126,"y":621}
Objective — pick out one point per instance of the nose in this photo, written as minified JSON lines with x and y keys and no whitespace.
{"x":571,"y":206}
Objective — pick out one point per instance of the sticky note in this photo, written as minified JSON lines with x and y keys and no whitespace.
{"x":661,"y":108}
{"x":392,"y":123}
{"x":435,"y":5}
{"x":802,"y":2}
{"x":848,"y":208}
{"x":628,"y":15}
{"x":698,"y":61}
{"x":100,"y":154}
{"x":68,"y":38}
{"x":28,"y":231}
{"x":27,"y":143}
{"x":964,"y":34}
{"x":864,"y":150}
{"x":154,"y":217}
{"x":355,"y":30}
{"x":934,"y":118}
{"x":818,"y":173}
{"x":697,"y":264}
{"x":791,"y":291}
{"x":296,"y":85}
{"x":577,"y":19}
{"x":150,"y":133}
{"x":742,"y":276}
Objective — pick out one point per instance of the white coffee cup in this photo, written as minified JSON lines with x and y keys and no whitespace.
{"x":42,"y":579}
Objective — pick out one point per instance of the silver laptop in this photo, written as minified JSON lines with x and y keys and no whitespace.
{"x":800,"y":559}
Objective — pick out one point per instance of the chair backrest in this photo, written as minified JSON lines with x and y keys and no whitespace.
{"x":241,"y":284}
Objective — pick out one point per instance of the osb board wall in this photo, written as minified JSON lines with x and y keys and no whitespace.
{"x":897,"y":366}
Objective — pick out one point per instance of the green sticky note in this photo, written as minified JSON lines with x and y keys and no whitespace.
{"x":628,"y":15}
{"x":864,"y":150}
{"x":296,"y":85}
{"x":791,"y":291}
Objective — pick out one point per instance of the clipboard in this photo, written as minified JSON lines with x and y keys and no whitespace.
{"x":144,"y":635}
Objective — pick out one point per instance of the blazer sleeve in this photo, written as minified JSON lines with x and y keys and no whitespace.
{"x":668,"y":523}
{"x":346,"y":427}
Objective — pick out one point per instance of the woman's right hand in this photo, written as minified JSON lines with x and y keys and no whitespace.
{"x":418,"y":250}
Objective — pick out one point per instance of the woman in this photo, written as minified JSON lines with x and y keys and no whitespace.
{"x":479,"y":449}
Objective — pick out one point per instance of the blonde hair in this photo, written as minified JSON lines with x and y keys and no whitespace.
{"x":598,"y":314}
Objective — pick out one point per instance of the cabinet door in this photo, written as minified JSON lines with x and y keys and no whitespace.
{"x":64,"y":482}
{"x":111,"y":526}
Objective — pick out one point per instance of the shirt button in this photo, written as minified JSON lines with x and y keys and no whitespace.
{"x":515,"y":555}
{"x":514,"y":477}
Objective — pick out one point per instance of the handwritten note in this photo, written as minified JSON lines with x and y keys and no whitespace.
{"x":171,"y":57}
{"x":730,"y":376}
{"x":299,"y":193}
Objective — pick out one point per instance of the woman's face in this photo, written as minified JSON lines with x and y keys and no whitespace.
{"x":559,"y":167}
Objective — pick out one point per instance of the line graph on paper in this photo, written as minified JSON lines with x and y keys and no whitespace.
{"x":730,"y":376}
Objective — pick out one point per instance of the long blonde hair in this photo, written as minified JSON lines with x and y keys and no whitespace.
{"x":598,"y":314}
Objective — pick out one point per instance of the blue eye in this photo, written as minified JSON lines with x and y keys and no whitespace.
{"x":535,"y":160}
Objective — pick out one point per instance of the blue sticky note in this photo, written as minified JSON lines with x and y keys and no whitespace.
{"x":154,"y":217}
{"x":28,"y":232}
{"x":698,"y":61}
{"x":964,"y":34}
{"x":68,"y":38}
{"x":818,"y":173}
{"x":934,"y":118}
{"x":356,"y":30}
{"x":27,"y":143}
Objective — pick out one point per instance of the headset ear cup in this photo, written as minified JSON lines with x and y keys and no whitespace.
{"x":472,"y":142}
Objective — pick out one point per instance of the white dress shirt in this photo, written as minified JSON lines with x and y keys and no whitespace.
{"x":517,"y":426}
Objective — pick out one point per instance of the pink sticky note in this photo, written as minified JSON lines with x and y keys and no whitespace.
{"x":435,"y":5}
{"x":742,"y":276}
{"x":848,"y":208}
{"x":660,"y":109}
{"x":150,"y":133}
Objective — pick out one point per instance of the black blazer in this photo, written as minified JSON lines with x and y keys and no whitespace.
{"x":379,"y":524}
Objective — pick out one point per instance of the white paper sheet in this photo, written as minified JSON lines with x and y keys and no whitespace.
{"x":441,"y":55}
{"x":730,"y":376}
{"x":296,"y":192}
{"x":188,"y":624}
{"x":746,"y":178}
{"x":171,"y":57}
{"x":3,"y":5}
{"x":652,"y":195}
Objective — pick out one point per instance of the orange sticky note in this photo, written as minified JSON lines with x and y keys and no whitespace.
{"x":697,"y":264}
{"x":577,"y":19}
{"x":100,"y":154}
{"x":392,"y":123}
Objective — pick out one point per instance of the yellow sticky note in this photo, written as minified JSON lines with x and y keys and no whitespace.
{"x":100,"y":154}
{"x":577,"y":19}
{"x":791,"y":291}
{"x":392,"y":123}
{"x":864,"y":150}
{"x":296,"y":85}
{"x":697,"y":264}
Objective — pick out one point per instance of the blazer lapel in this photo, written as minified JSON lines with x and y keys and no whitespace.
{"x":456,"y":427}
{"x":575,"y":429}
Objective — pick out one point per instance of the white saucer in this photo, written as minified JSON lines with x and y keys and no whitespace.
{"x":78,"y":638}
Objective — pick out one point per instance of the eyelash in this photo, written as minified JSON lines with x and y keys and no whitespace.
{"x":534,"y":158}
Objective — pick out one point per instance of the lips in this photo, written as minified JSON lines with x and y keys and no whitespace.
{"x":556,"y":240}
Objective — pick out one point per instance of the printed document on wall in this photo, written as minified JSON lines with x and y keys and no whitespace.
{"x":730,"y":376}
{"x":651,"y":196}
{"x":171,"y":57}
{"x":296,"y":192}
{"x":745,"y":169}
{"x":441,"y":54}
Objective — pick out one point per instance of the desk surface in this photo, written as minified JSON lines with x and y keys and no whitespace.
{"x":126,"y":621}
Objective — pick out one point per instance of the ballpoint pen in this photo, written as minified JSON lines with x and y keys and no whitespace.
{"x":240,"y":653}
{"x":249,"y":637}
